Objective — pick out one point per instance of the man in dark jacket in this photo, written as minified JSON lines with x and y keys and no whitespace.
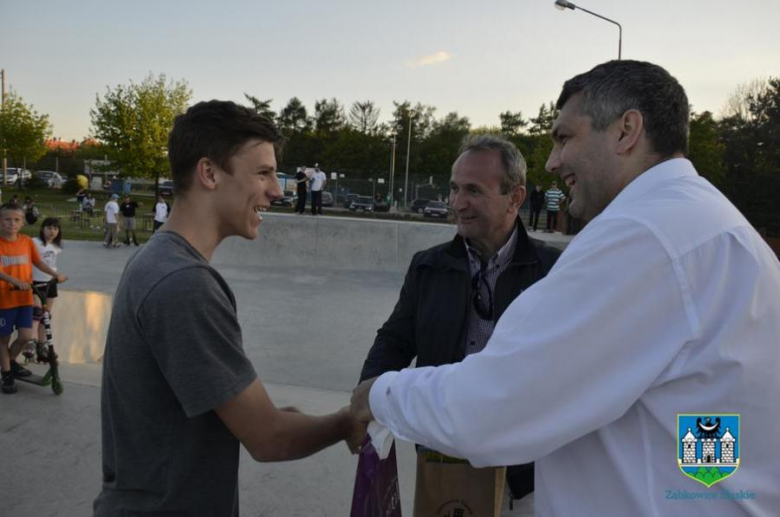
{"x":454,"y":293}
{"x":537,"y":202}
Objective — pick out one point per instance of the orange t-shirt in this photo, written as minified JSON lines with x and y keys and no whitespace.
{"x":16,"y":260}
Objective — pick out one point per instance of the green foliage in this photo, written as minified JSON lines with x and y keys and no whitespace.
{"x":706,"y":149}
{"x":512,"y":123}
{"x":262,"y":107}
{"x":328,"y":116}
{"x":543,"y":122}
{"x":293,"y":118}
{"x":23,"y":132}
{"x":133,"y":123}
{"x":364,"y":117}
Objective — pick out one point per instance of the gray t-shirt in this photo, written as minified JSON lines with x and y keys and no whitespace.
{"x":173,"y":354}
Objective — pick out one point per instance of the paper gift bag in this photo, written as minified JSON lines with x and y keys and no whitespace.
{"x":451,"y":487}
{"x":376,"y":485}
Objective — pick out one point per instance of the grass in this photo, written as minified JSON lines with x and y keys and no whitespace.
{"x":55,"y":203}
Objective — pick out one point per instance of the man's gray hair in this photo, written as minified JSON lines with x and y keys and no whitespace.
{"x":511,"y":159}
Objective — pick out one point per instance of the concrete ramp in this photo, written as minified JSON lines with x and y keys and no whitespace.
{"x":338,"y":243}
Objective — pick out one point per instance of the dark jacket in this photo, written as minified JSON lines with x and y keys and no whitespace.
{"x":537,"y":199}
{"x":430,"y":319}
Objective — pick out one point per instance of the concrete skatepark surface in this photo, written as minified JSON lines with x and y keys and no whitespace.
{"x":311,"y":292}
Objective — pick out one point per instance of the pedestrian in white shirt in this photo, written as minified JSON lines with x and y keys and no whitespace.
{"x":662,"y":313}
{"x":111,"y":211}
{"x":318,"y":180}
{"x":161,"y":210}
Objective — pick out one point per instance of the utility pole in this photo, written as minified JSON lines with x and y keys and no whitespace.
{"x":2,"y":106}
{"x":392,"y":174}
{"x":408,"y":148}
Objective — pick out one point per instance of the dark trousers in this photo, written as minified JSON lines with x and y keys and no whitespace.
{"x":301,"y":206}
{"x":552,"y":220}
{"x":533,"y":222}
{"x":316,"y":202}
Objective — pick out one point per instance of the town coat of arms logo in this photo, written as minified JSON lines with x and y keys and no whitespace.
{"x":708,"y":446}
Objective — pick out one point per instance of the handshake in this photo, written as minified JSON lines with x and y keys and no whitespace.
{"x":356,"y":416}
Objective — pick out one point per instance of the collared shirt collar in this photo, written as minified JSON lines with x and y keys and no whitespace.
{"x":501,"y":259}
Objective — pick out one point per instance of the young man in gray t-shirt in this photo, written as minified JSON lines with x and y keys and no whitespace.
{"x":179,"y":393}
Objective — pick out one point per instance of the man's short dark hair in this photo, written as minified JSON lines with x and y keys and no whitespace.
{"x":511,"y":159}
{"x":215,"y":130}
{"x":612,"y":88}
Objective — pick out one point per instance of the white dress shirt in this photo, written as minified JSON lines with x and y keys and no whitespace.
{"x":667,"y":303}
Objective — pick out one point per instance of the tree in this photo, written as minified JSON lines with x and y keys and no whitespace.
{"x":440,"y":148}
{"x":706,"y":150}
{"x":738,"y":103}
{"x":364,"y":117}
{"x":512,"y":123}
{"x":328,"y":116}
{"x":293,"y":118}
{"x":262,"y":107}
{"x":23,"y":132}
{"x":543,"y":122}
{"x":133,"y":122}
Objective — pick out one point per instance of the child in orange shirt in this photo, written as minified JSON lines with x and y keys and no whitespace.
{"x":17,"y":256}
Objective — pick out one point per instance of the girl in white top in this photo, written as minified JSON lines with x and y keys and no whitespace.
{"x":49,"y":244}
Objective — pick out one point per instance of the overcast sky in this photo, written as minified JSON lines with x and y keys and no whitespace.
{"x":478,"y":58}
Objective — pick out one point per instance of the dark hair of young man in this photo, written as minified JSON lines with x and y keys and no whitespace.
{"x":612,"y":88}
{"x":215,"y":130}
{"x":51,"y":221}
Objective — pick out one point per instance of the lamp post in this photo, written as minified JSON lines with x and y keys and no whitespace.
{"x":392,"y":174}
{"x":408,"y":148}
{"x":564,"y":4}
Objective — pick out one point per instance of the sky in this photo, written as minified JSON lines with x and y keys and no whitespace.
{"x":477,"y":58}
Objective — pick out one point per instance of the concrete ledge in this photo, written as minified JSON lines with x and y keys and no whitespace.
{"x":338,"y":243}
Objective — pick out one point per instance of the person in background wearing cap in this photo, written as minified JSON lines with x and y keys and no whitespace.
{"x":112,"y":222}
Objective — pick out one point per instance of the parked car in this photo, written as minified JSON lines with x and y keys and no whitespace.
{"x":419,"y":204}
{"x":288,"y":199}
{"x":436,"y":209}
{"x":381,"y":206}
{"x":165,"y":188}
{"x":13,"y":175}
{"x":362,"y":203}
{"x":327,"y":198}
{"x":349,"y":199}
{"x":50,"y":178}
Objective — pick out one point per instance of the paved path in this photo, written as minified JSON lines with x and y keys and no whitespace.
{"x":306,"y":329}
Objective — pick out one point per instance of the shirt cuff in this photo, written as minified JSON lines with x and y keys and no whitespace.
{"x":379,"y":397}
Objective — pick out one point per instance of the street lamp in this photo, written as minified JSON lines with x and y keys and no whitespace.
{"x":408,"y":147}
{"x":563,"y":5}
{"x":392,"y":174}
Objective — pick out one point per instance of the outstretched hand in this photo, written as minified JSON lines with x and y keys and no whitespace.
{"x":360,"y":407}
{"x":355,"y":431}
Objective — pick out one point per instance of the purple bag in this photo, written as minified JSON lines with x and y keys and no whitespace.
{"x":376,"y":485}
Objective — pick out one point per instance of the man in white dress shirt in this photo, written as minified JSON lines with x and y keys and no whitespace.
{"x":671,"y":306}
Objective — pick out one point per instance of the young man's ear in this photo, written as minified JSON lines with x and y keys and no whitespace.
{"x":206,"y":173}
